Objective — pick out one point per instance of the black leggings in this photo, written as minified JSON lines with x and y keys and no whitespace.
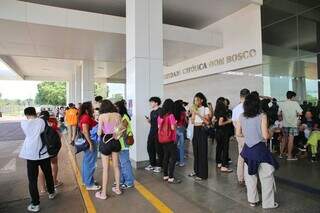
{"x":222,"y":151}
{"x":169,"y":159}
{"x":33,"y":171}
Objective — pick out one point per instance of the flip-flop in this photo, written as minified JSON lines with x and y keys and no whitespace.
{"x":116,"y":191}
{"x":99,"y":195}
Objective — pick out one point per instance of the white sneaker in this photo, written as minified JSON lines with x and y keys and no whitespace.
{"x":93,"y":188}
{"x":149,"y":168}
{"x":157,"y":169}
{"x":53,"y":195}
{"x":33,"y":208}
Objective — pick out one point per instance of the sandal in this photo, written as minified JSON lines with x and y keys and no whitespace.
{"x":116,"y":191}
{"x":100,"y":196}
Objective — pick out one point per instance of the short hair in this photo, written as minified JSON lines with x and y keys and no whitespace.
{"x":244,"y":92}
{"x":30,"y":111}
{"x":98,"y":98}
{"x":291,"y":94}
{"x":156,"y":100}
{"x":71,"y":105}
{"x":45,"y":115}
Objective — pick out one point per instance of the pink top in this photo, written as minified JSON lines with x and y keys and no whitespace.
{"x":109,"y":128}
{"x":172,"y":121}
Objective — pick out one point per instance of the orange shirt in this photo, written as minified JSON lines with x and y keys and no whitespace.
{"x":71,"y":117}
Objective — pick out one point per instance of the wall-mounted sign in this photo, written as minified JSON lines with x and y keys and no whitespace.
{"x":202,"y":68}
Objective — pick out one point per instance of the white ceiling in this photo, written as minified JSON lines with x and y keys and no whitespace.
{"x":45,"y":67}
{"x":188,"y":13}
{"x":107,"y":49}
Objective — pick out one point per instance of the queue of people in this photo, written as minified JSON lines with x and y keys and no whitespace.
{"x":105,"y":128}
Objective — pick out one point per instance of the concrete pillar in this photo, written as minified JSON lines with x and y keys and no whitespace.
{"x":144,"y":67}
{"x":299,"y":81}
{"x":77,"y":85}
{"x":71,"y":90}
{"x":87,"y":81}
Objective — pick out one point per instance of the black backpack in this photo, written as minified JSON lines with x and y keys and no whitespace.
{"x":50,"y":139}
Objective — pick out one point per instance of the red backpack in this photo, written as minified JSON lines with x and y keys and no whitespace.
{"x":165,"y":133}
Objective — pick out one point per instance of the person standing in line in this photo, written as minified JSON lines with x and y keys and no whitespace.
{"x":167,"y":136}
{"x":153,"y":147}
{"x":253,"y":126}
{"x":86,"y":123}
{"x":110,"y":128}
{"x":222,"y":135}
{"x":290,"y":111}
{"x":71,"y":119}
{"x":200,"y":118}
{"x":53,"y":123}
{"x":127,"y":177}
{"x":96,"y":106}
{"x":236,"y":112}
{"x":32,"y":128}
{"x":181,"y":117}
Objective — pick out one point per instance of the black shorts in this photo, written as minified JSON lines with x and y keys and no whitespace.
{"x":112,"y":146}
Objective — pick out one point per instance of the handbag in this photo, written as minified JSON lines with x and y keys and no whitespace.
{"x":80,"y":143}
{"x":129,"y":139}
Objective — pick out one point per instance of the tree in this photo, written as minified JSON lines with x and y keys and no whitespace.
{"x":101,"y":89}
{"x":51,"y":93}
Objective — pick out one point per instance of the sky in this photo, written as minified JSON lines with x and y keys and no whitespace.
{"x":18,"y":89}
{"x":28,"y":89}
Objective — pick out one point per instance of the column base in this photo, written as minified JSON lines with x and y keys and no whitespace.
{"x":139,"y":164}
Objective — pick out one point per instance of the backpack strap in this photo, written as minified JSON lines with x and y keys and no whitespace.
{"x":43,"y":145}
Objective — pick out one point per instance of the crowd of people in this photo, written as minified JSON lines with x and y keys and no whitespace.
{"x":103,"y":129}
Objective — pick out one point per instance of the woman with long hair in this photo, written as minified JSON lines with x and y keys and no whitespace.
{"x":222,"y":135}
{"x":253,"y":126}
{"x":53,"y":123}
{"x":108,"y":129}
{"x":126,"y":177}
{"x":181,"y":117}
{"x":86,"y":123}
{"x":200,"y":118}
{"x":167,"y":138}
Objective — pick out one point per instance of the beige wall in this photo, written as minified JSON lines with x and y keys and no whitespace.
{"x":224,"y":84}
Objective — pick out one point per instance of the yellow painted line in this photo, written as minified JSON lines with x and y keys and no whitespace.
{"x":84,"y":193}
{"x":158,"y":204}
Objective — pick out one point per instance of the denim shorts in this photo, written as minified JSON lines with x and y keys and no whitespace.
{"x":290,"y":131}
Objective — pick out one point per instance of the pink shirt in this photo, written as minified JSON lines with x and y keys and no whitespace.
{"x":172,"y":121}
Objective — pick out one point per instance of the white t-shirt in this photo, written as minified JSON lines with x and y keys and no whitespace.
{"x":289,"y":110}
{"x":236,"y":112}
{"x":203,"y":111}
{"x":32,"y":144}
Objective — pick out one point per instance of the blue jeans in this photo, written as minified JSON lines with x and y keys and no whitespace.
{"x":89,"y":166}
{"x":180,"y":141}
{"x":126,"y":168}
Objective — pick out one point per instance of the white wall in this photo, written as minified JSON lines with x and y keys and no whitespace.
{"x":241,"y":32}
{"x":226,"y":84}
